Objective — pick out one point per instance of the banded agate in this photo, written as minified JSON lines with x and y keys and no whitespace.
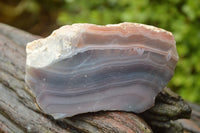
{"x":83,"y":68}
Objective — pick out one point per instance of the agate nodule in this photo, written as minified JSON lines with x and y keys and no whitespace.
{"x":83,"y":68}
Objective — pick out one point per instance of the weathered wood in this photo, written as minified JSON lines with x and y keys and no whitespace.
{"x":192,"y":125}
{"x":19,"y":113}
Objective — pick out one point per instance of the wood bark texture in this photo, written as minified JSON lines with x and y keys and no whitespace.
{"x":20,"y":114}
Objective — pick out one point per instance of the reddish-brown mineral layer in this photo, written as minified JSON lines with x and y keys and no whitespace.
{"x":86,"y":68}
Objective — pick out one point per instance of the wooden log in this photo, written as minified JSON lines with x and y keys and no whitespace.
{"x":192,"y":125}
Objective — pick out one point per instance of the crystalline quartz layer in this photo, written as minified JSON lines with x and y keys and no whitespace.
{"x":87,"y":68}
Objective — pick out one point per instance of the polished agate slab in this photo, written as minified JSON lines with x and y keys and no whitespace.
{"x":83,"y":68}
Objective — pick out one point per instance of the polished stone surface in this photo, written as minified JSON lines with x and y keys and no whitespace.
{"x":87,"y":68}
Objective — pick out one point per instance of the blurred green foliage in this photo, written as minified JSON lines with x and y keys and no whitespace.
{"x":181,"y":17}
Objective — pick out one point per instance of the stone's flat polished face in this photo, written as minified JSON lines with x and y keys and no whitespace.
{"x":86,"y":68}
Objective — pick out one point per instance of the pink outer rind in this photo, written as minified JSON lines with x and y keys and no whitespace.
{"x":126,"y":29}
